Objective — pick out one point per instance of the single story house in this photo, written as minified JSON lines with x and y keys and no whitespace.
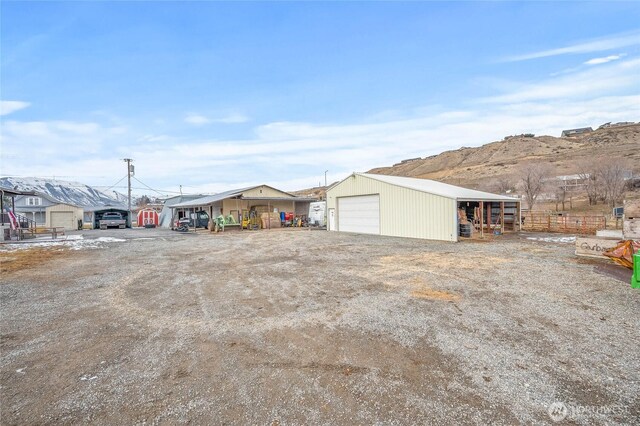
{"x":233,"y":202}
{"x":415,"y":208}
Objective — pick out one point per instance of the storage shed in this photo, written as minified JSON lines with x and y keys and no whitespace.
{"x":416,"y":208}
{"x":148,"y":218}
{"x":64,"y":216}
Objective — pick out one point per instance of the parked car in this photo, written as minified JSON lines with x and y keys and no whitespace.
{"x":112,"y":220}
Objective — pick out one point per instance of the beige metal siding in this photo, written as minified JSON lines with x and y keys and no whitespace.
{"x":282,"y":206}
{"x":264,"y":191}
{"x":62,"y":220}
{"x":403,"y":212}
{"x":77,"y":213}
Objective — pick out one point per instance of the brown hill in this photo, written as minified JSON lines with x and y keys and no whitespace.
{"x":474,"y":167}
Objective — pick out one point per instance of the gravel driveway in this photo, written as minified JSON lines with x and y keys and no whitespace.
{"x":311,"y":327}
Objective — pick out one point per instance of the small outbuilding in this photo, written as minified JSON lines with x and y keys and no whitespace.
{"x":148,"y":218}
{"x":65,"y":216}
{"x":417,"y":208}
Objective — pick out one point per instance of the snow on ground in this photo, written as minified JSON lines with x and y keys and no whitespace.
{"x":567,"y":240}
{"x":109,"y":240}
{"x":73,"y":242}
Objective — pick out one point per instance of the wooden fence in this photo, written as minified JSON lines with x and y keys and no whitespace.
{"x":574,"y":224}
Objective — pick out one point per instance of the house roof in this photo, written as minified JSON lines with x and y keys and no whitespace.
{"x":210,"y":199}
{"x":580,"y":130}
{"x":14,"y":192}
{"x":438,"y":188}
{"x":101,"y":208}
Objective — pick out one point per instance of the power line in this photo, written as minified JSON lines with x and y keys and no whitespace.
{"x":123,"y":178}
{"x":155,"y":190}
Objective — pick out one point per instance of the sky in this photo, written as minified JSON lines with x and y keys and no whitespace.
{"x":215,"y":95}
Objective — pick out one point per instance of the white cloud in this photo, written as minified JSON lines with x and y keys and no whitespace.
{"x":589,"y":83}
{"x":294,"y":155}
{"x":615,"y":41}
{"x":7,"y":107}
{"x":598,"y":61}
{"x":197,"y":119}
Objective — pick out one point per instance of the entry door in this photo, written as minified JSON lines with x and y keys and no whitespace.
{"x":332,"y":219}
{"x":359,"y":214}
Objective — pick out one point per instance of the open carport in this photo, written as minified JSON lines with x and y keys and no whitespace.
{"x":92,"y":216}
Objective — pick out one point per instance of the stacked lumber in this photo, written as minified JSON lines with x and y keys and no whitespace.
{"x":270,"y":220}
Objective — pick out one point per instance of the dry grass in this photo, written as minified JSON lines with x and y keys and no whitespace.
{"x":18,"y":260}
{"x":430,"y":294}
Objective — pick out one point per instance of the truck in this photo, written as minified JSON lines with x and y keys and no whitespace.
{"x":317,"y":213}
{"x":113,"y":220}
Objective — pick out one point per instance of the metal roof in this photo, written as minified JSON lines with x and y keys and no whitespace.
{"x":293,"y":198}
{"x":438,"y":188}
{"x":210,"y":199}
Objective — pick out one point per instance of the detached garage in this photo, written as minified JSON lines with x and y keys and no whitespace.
{"x":417,"y":208}
{"x":63,"y":216}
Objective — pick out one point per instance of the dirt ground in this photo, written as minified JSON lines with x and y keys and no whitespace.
{"x":311,"y":327}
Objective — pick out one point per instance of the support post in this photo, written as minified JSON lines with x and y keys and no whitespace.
{"x":481,"y":219}
{"x":128,"y":161}
{"x":519,"y":213}
{"x":489,"y":217}
{"x":502,"y":217}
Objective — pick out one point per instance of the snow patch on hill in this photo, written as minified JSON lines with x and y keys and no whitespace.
{"x":75,"y":193}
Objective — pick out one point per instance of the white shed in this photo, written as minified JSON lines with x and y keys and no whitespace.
{"x":415,"y":208}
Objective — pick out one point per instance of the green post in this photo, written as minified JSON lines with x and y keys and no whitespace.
{"x":635,"y":278}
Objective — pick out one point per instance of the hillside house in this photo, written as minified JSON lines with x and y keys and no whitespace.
{"x":576,"y":132}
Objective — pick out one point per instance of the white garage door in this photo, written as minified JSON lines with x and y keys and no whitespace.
{"x":63,"y":219}
{"x":359,"y":214}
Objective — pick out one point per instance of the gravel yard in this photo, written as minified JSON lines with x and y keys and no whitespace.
{"x":311,"y":327}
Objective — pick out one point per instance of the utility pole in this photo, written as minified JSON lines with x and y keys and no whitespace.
{"x":325,"y":178}
{"x":129,"y":170}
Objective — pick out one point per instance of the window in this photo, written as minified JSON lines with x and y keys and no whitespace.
{"x":34,"y":201}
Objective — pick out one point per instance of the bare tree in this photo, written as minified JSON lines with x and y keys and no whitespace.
{"x":504,"y":184}
{"x":534,"y":178}
{"x":613,"y":172}
{"x":560,"y":193}
{"x":590,"y":174}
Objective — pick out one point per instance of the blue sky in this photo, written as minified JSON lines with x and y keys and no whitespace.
{"x":213,"y":95}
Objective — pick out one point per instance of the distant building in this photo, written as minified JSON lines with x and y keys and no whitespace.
{"x":575,"y":132}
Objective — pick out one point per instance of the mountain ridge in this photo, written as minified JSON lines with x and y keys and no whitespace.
{"x":63,"y":191}
{"x":474,"y":166}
